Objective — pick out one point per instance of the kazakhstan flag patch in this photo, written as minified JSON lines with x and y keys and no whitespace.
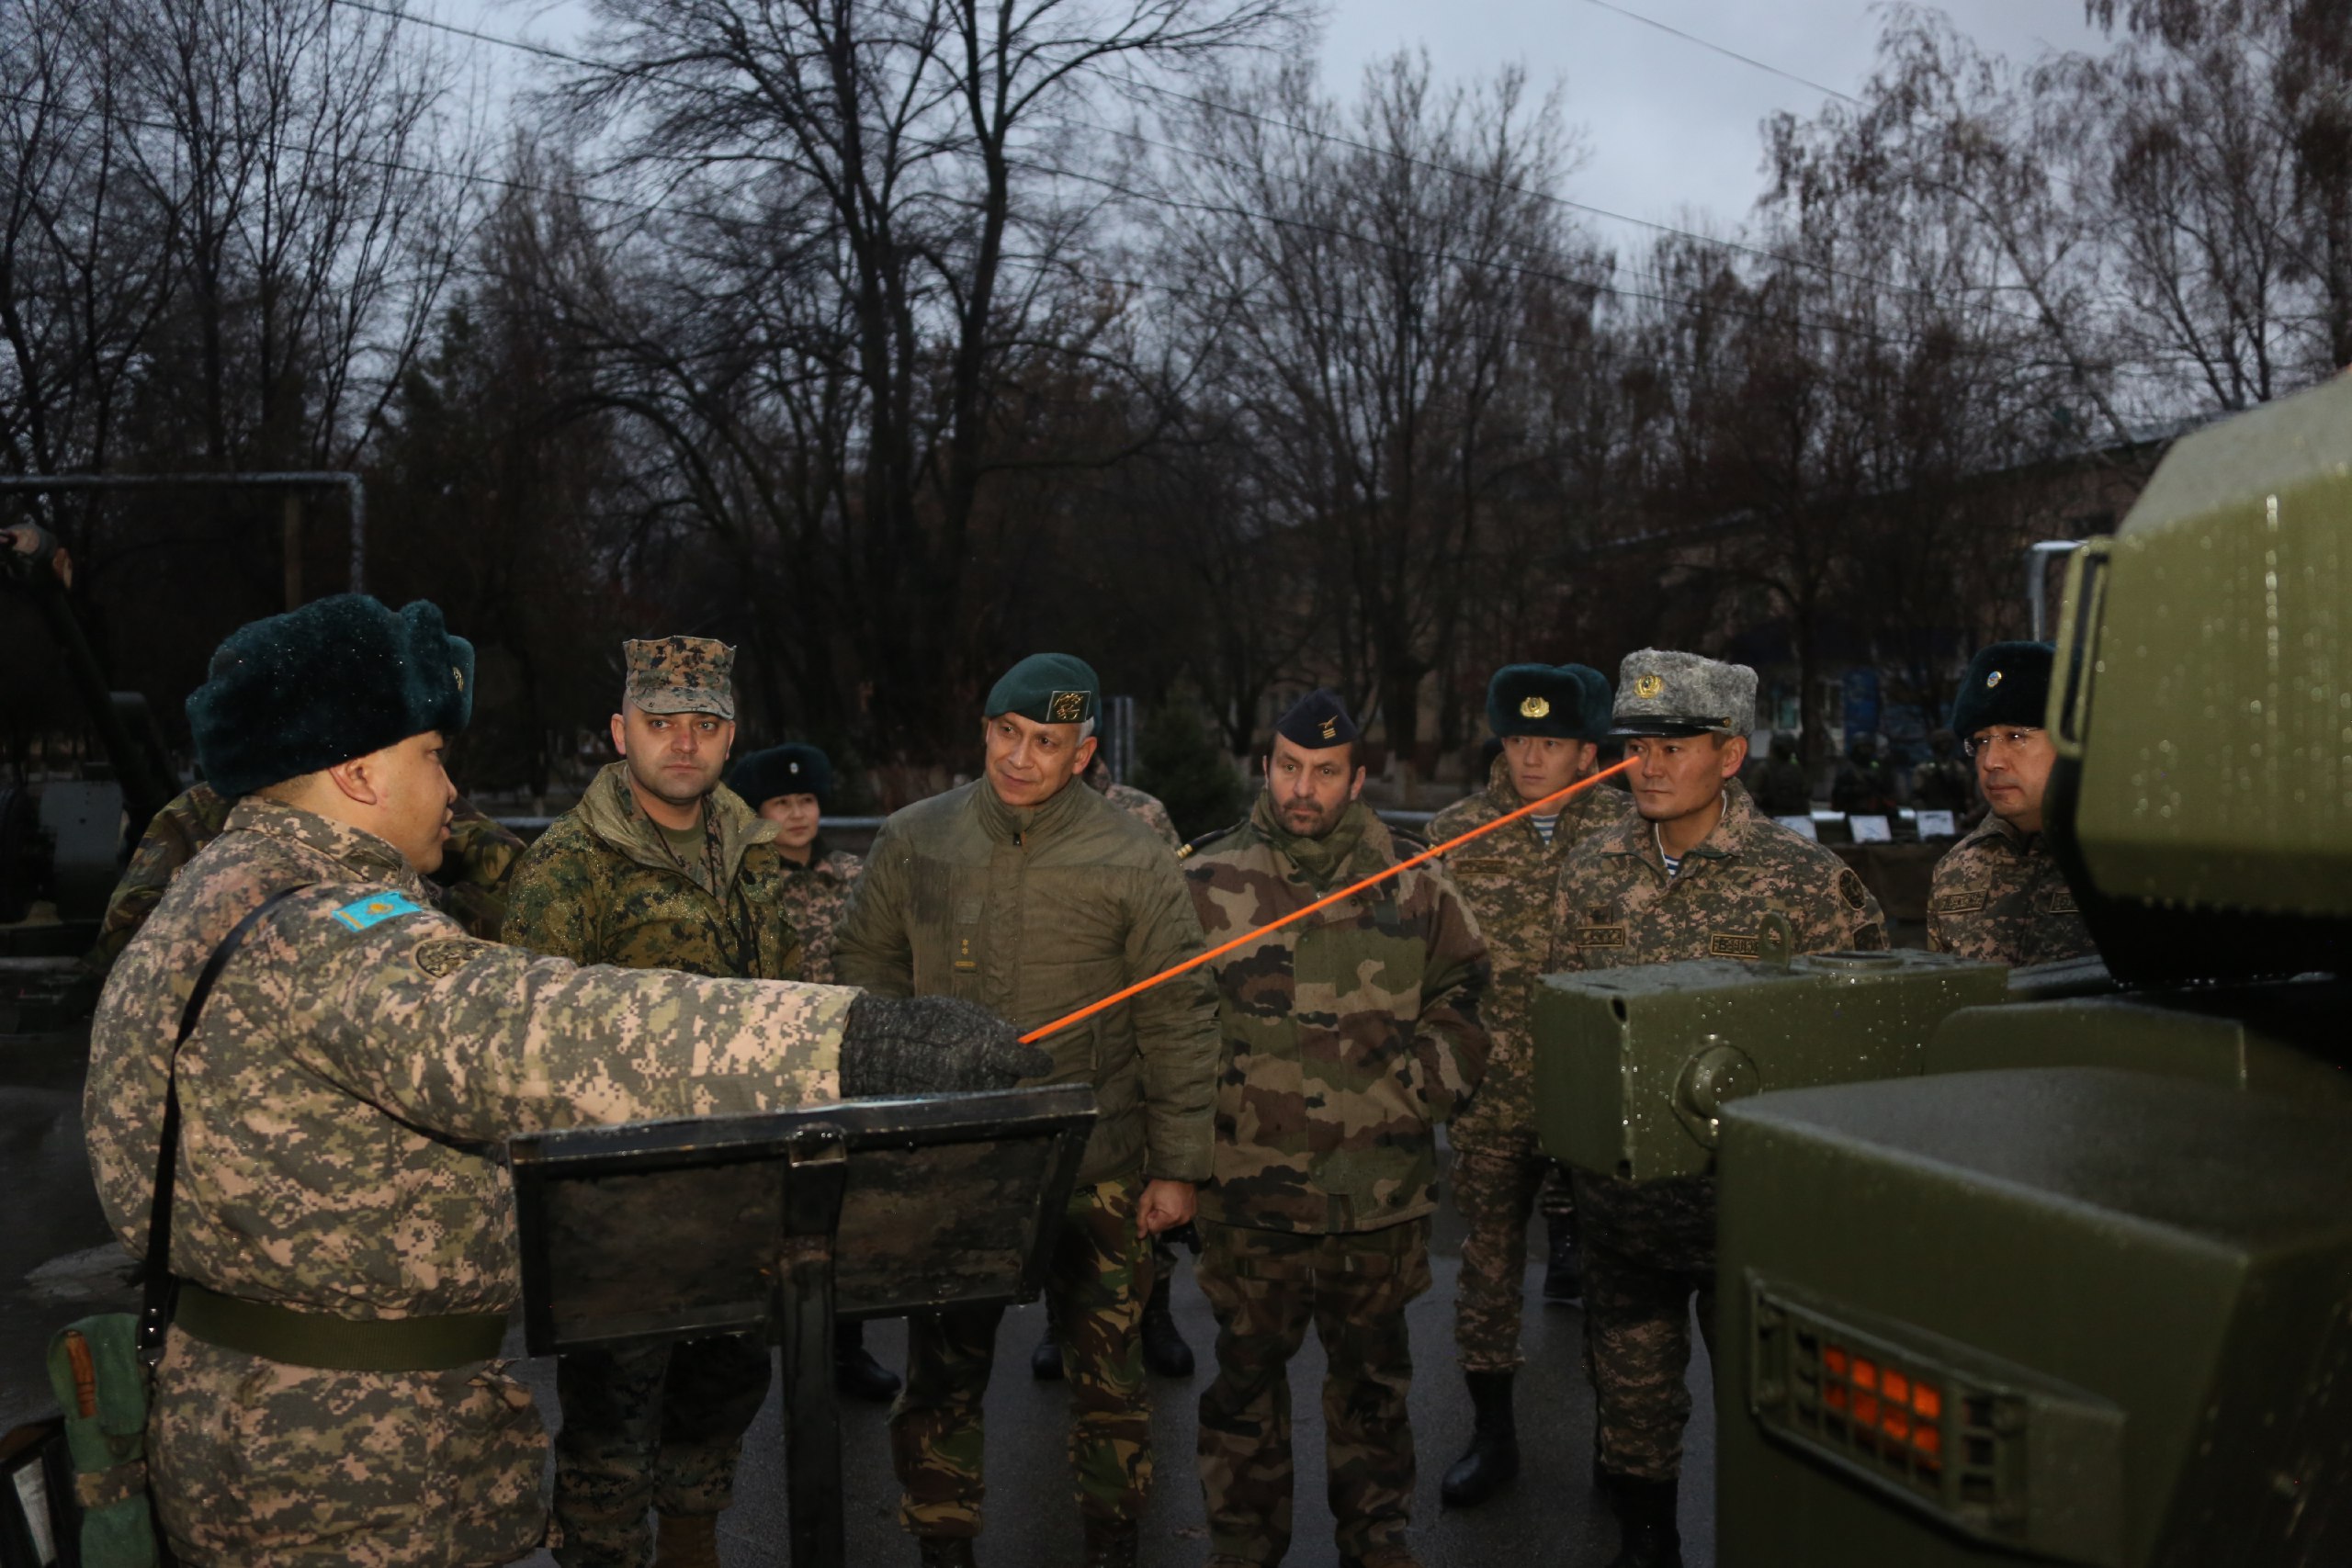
{"x":362,"y":913}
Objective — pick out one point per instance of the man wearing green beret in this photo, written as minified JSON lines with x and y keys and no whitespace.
{"x":1999,"y":894}
{"x":330,"y":1391}
{"x":1550,"y":720}
{"x":1031,"y":894}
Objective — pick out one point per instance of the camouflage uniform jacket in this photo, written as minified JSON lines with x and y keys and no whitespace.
{"x":1346,"y":1037}
{"x":602,"y":887}
{"x":1511,"y":879}
{"x":1134,"y":802}
{"x":1034,"y":912}
{"x":470,"y":887}
{"x":342,"y":1100}
{"x":1618,"y":907}
{"x":815,"y":900}
{"x":1998,"y":895}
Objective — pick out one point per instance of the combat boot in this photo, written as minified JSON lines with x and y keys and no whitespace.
{"x":1109,"y":1544}
{"x":1491,"y":1462}
{"x":855,"y":1371}
{"x":1647,"y":1534}
{"x":1164,"y":1350}
{"x":686,"y":1541}
{"x":945,"y":1550}
{"x":1563,"y":1274}
{"x":1046,"y":1361}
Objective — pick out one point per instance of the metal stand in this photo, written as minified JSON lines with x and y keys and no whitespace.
{"x":782,"y":1224}
{"x":816,"y":1173}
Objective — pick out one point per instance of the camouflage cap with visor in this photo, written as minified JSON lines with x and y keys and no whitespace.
{"x":681,"y":674}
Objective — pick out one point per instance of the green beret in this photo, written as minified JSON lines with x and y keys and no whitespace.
{"x":784,"y":769}
{"x":2008,"y":684}
{"x":1566,"y":701}
{"x":334,"y":680}
{"x":1317,"y":721}
{"x":1048,"y":688}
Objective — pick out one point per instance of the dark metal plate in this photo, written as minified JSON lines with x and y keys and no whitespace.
{"x":673,"y":1229}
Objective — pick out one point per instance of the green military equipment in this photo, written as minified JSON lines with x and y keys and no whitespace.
{"x":2061,"y":1274}
{"x":2075,"y":1315}
{"x":1634,"y":1066}
{"x":94,"y":1371}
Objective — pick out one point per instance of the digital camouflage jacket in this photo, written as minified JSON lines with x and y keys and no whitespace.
{"x":1154,"y":815}
{"x":470,"y":887}
{"x":1347,"y":1037}
{"x":601,"y":886}
{"x":343,"y":1099}
{"x":1998,"y":895}
{"x":1511,"y":879}
{"x":1032,"y":913}
{"x":816,"y":900}
{"x":1617,"y":907}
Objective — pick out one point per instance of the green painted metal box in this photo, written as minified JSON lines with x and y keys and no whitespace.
{"x":1632,"y":1065}
{"x":2073,"y":1315}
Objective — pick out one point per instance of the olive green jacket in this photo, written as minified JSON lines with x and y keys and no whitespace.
{"x":1032,"y":914}
{"x":601,"y":886}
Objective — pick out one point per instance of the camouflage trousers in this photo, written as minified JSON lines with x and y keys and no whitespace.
{"x":1496,"y":1193}
{"x":258,"y":1464}
{"x":1266,"y":1287}
{"x":1100,"y":1279}
{"x":1648,"y":1251}
{"x":657,"y":1428}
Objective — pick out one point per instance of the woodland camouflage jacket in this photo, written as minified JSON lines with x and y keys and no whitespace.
{"x":1346,"y":1037}
{"x":1511,"y":879}
{"x":470,"y":887}
{"x":1032,"y":913}
{"x":1998,"y":895}
{"x":343,"y":1098}
{"x":602,"y":887}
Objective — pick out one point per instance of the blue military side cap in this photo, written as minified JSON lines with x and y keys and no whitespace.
{"x":1317,"y":721}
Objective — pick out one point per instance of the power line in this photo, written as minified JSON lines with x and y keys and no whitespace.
{"x":1726,"y":53}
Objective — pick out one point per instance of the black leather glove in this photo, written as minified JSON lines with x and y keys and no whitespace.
{"x":932,"y":1045}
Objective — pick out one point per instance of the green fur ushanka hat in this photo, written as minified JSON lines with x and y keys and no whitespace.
{"x":1565,"y":702}
{"x":334,"y":680}
{"x":2006,"y":683}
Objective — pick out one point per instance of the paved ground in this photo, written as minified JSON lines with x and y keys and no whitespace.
{"x":1548,"y":1518}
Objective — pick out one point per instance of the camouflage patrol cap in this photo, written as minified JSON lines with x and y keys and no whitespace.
{"x":1046,"y":688}
{"x":1661,"y":691}
{"x":1567,"y":702}
{"x":336,"y":679}
{"x":681,"y":674}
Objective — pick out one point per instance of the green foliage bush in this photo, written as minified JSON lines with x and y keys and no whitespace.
{"x":1179,"y":760}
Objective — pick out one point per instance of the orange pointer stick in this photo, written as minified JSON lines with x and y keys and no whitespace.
{"x":1115,"y":997}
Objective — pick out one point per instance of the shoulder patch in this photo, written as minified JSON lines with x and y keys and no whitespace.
{"x":444,"y":955}
{"x":361,"y":914}
{"x":1849,"y":888}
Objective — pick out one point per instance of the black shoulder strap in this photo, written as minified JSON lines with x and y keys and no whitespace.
{"x":160,"y":1290}
{"x":1205,"y":840}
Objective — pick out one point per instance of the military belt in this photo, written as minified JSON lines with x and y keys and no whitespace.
{"x":339,"y":1344}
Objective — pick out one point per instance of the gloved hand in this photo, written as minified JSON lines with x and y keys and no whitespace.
{"x":932,"y":1045}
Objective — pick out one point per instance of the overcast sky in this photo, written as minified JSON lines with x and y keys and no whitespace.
{"x":1671,"y":127}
